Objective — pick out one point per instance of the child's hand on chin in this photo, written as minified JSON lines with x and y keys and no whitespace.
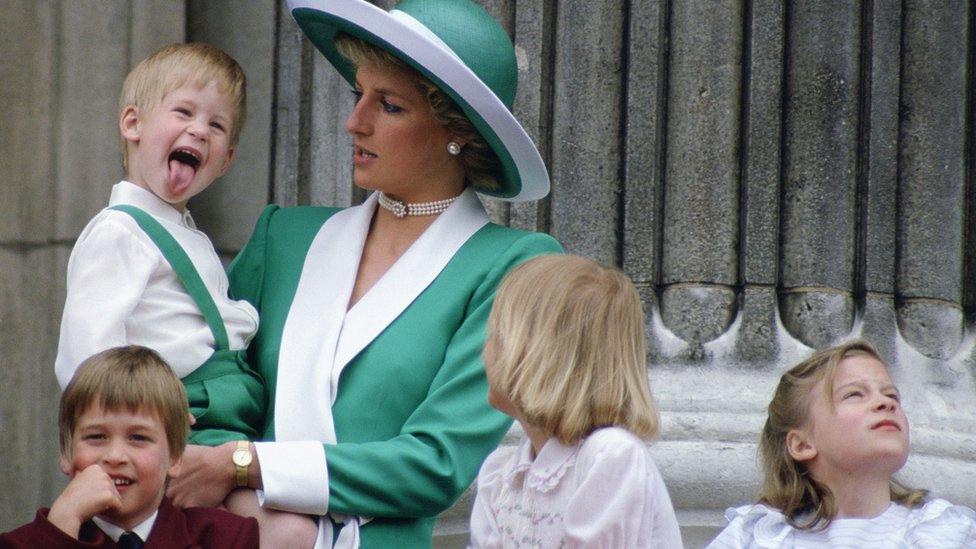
{"x":89,"y":493}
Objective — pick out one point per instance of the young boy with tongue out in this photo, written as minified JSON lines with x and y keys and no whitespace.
{"x":141,"y":273}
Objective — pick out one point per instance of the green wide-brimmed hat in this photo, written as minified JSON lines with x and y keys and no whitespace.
{"x":460,"y":48}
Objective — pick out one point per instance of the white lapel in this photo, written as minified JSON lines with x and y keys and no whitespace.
{"x":320,"y":337}
{"x":407,"y":278}
{"x":303,"y":402}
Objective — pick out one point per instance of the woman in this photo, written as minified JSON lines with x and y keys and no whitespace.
{"x":373,"y":317}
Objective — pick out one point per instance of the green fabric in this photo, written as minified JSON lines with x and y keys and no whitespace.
{"x":226,"y":396}
{"x":471,"y":32}
{"x":411,"y":416}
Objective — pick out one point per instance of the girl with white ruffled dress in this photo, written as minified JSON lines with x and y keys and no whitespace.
{"x":564,"y":356}
{"x":835,"y":435}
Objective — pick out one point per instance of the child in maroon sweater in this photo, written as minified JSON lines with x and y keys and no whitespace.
{"x":124,"y":423}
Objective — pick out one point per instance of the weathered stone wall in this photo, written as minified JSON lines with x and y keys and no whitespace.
{"x":775,"y":176}
{"x":61,"y":69}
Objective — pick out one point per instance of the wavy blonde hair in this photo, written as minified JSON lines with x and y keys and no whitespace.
{"x":787,"y":484}
{"x":481,"y":165}
{"x":569,"y":352}
{"x":176,"y":65}
{"x":131,"y":378}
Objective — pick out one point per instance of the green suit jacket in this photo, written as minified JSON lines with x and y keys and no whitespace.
{"x":411,"y":418}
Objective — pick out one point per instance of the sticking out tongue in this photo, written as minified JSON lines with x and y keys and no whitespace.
{"x":181,"y":169}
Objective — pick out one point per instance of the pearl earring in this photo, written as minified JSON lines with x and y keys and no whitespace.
{"x":453,"y":148}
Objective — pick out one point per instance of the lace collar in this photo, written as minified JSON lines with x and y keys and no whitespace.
{"x":545,"y":471}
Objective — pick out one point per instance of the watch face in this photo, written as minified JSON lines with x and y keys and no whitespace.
{"x":242,"y":457}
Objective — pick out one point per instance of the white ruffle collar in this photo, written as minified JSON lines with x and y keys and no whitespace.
{"x":543,"y":473}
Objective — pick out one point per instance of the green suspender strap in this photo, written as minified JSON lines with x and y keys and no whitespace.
{"x":226,"y":396}
{"x":185,"y":270}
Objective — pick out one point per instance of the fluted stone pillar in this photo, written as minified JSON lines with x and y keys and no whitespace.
{"x":61,"y":70}
{"x":701,"y":175}
{"x":933,"y":181}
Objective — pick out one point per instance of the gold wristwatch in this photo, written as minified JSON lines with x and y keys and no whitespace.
{"x":242,"y":459}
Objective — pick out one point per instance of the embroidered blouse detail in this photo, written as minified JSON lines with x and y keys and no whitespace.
{"x":602,"y":492}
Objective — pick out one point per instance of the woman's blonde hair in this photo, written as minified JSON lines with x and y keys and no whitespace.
{"x":132,"y":378}
{"x":567,"y":338}
{"x":787,"y":484}
{"x":176,"y":65}
{"x":481,"y":165}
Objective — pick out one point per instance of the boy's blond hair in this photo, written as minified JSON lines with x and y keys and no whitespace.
{"x":569,"y":348}
{"x":176,"y":65}
{"x":787,"y":484}
{"x":132,"y":378}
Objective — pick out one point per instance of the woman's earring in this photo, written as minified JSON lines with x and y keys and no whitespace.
{"x":453,"y":148}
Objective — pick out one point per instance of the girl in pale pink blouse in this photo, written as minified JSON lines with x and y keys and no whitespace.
{"x":835,"y":435}
{"x":565,"y":357}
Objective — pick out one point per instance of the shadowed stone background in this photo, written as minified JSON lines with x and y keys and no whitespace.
{"x":774,"y":177}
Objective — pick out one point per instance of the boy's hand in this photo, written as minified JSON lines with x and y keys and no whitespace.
{"x":89,"y":493}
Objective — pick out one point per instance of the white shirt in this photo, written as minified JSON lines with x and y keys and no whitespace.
{"x":121,"y":290}
{"x":602,"y":492}
{"x":142,"y":529}
{"x":936,"y":524}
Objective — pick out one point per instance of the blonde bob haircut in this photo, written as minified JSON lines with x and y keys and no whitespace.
{"x":176,"y":65}
{"x":481,"y":164}
{"x":567,"y":338}
{"x":131,"y":378}
{"x":788,"y":486}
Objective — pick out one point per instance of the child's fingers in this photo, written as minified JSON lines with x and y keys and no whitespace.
{"x":115,"y":500}
{"x":103,"y":494}
{"x":91,"y":491}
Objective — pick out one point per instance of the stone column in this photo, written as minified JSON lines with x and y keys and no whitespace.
{"x":61,"y":72}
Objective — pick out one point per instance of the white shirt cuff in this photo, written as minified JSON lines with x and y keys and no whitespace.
{"x":295,"y":477}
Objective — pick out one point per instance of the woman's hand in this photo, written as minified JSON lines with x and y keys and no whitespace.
{"x":206,"y":477}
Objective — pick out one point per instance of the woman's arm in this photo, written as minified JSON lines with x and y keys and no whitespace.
{"x":208,"y":474}
{"x":442,"y":443}
{"x":424,"y":468}
{"x":206,"y":477}
{"x":445,"y":440}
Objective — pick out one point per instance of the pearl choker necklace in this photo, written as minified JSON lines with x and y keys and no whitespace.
{"x":402,"y":209}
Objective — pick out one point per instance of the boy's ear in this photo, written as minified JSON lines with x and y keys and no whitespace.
{"x":800,"y":446}
{"x":230,"y":157}
{"x":129,"y":123}
{"x":65,"y":464}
